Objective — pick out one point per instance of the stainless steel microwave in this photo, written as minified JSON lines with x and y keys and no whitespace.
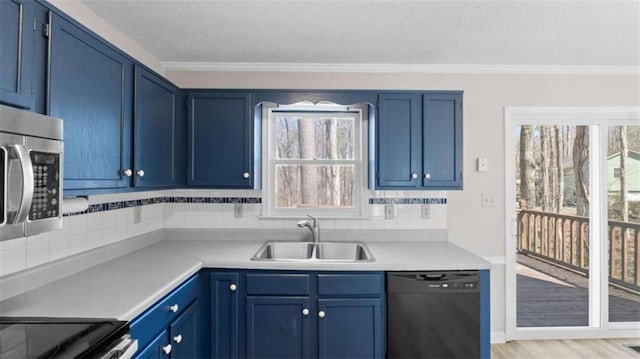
{"x":31,"y":155}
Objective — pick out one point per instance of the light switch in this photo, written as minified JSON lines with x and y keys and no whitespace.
{"x":483,"y":165}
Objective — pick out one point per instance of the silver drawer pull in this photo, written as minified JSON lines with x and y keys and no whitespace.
{"x":178,"y":338}
{"x":233,"y":287}
{"x":174,"y":308}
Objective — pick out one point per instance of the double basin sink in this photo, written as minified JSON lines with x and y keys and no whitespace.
{"x":313,"y":251}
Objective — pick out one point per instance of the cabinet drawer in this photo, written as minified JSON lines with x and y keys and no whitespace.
{"x":371,"y":284}
{"x":278,"y":284}
{"x":146,"y":326}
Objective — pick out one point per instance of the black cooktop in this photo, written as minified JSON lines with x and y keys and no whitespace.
{"x":58,"y":337}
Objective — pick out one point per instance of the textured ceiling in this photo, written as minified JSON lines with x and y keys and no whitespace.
{"x":566,"y":33}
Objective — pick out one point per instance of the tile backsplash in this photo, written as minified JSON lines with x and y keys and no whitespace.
{"x":110,"y":219}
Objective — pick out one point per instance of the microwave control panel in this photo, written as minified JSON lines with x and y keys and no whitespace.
{"x":46,"y":191}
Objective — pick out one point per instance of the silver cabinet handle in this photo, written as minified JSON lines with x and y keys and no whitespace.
{"x":414,"y":175}
{"x":167,"y":349}
{"x":321,"y":314}
{"x":140,"y":173}
{"x":427,"y":175}
{"x":305,"y":311}
{"x":245,"y":175}
{"x":233,"y":287}
{"x":174,"y":308}
{"x":128,"y":172}
{"x":177,"y":338}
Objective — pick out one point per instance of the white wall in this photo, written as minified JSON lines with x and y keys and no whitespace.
{"x":478,"y":229}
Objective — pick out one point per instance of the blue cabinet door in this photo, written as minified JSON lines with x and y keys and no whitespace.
{"x":398,"y":140}
{"x":16,"y":45}
{"x":184,"y":334}
{"x":155,"y":127}
{"x":351,"y":328}
{"x":225,"y":315}
{"x":155,"y":349}
{"x":220,"y":140}
{"x":277,"y":327}
{"x":442,"y":140}
{"x":90,"y":88}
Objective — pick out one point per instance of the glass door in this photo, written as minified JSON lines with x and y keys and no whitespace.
{"x":552,"y":211}
{"x":573,"y":222}
{"x":623,"y":227}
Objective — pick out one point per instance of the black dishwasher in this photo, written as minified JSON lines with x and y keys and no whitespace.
{"x":433,"y":314}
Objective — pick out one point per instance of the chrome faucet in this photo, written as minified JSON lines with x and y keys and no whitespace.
{"x":314,"y":227}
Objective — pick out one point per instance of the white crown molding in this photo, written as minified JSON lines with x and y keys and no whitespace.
{"x":399,"y":68}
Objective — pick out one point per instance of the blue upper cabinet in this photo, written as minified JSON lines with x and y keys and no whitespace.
{"x":220,"y":140}
{"x":17,"y":34}
{"x":399,"y":124}
{"x":419,"y":141}
{"x":155,"y":127}
{"x":90,"y":88}
{"x":442,"y":140}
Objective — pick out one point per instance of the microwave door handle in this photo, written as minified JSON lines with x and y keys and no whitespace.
{"x":5,"y":188}
{"x":27,"y":182}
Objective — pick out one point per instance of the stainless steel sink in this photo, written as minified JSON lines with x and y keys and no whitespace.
{"x":285,"y":251}
{"x":343,"y":251}
{"x":313,"y":251}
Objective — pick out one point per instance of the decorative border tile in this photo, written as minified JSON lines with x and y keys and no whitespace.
{"x":110,"y":206}
{"x":387,"y":200}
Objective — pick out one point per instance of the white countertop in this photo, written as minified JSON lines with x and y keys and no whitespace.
{"x":124,"y":287}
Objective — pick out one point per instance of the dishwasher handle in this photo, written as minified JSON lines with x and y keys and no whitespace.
{"x":430,"y":277}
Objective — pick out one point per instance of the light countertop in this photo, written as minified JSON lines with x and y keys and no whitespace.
{"x":124,"y":287}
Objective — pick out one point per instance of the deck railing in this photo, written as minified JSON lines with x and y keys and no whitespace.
{"x":564,"y":239}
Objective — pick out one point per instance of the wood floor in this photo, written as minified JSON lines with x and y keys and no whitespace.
{"x":566,"y":349}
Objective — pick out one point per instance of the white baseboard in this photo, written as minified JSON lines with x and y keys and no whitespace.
{"x":498,"y":338}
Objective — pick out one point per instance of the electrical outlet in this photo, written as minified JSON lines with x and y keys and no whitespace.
{"x":238,"y":210}
{"x":487,"y":200}
{"x":426,"y":211}
{"x":137,"y":214}
{"x":389,"y":211}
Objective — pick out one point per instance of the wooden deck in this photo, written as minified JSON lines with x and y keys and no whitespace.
{"x":549,"y":296}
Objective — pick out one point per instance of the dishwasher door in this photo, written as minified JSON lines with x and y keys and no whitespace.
{"x":433,"y":314}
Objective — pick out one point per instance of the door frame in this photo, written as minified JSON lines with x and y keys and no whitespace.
{"x":598,"y":119}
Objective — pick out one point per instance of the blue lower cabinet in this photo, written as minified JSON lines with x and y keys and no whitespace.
{"x":225,"y":289}
{"x":485,"y":314}
{"x":294,"y":314}
{"x":184,"y":331}
{"x":278,"y":327}
{"x":156,"y":349}
{"x":350,"y":328}
{"x":173,"y":327}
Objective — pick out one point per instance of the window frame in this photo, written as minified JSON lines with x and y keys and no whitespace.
{"x":269,"y":161}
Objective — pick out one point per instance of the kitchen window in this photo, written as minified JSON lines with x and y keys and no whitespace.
{"x":313,"y":160}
